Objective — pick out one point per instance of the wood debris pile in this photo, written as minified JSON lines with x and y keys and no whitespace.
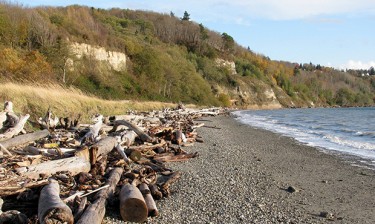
{"x":69,"y":172}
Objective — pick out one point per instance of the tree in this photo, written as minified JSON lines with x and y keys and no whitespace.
{"x":371,"y":71}
{"x":186,"y":16}
{"x":228,"y":42}
{"x":203,"y":32}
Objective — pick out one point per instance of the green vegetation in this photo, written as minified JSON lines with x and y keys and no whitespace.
{"x":169,"y":59}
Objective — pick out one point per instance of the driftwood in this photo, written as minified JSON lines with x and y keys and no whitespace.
{"x":94,"y":214}
{"x":141,"y":134}
{"x":155,"y":192}
{"x":47,"y":122}
{"x":163,"y":133}
{"x":51,"y":209}
{"x":174,"y":158}
{"x":8,"y":108}
{"x":121,"y":151}
{"x":128,"y":138}
{"x":16,"y":129}
{"x":74,"y":165}
{"x":102,"y":148}
{"x":13,"y":217}
{"x":133,"y":207}
{"x":172,"y":178}
{"x":11,"y":187}
{"x":151,"y":206}
{"x":81,"y":208}
{"x":22,"y":139}
{"x":93,"y":133}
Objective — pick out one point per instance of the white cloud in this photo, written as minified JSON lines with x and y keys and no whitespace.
{"x":352,"y":64}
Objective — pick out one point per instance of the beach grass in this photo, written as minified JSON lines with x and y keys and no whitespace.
{"x":35,"y":99}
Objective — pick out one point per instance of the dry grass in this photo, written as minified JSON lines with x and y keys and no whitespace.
{"x":35,"y":100}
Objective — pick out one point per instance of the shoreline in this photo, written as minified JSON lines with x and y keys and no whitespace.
{"x":253,"y":188}
{"x":242,"y":175}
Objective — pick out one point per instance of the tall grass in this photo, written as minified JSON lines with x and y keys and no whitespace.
{"x":36,"y":99}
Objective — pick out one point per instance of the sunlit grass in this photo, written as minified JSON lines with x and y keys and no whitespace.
{"x":36,"y":99}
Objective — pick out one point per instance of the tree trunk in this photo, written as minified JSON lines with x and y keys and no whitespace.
{"x":151,"y":206}
{"x":94,"y":214}
{"x":22,"y":139}
{"x":133,"y":207}
{"x":74,"y":165}
{"x":51,"y":209}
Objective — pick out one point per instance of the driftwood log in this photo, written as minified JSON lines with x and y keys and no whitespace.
{"x":22,"y":139}
{"x":74,"y":165}
{"x":94,"y":214}
{"x":51,"y":209}
{"x":16,"y":129}
{"x":102,"y":148}
{"x":151,"y":206}
{"x":133,"y":207}
{"x":93,"y":132}
{"x":141,"y":134}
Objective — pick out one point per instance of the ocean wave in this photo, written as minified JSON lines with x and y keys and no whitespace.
{"x":350,"y":143}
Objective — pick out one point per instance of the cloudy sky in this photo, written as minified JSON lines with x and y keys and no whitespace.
{"x":337,"y":33}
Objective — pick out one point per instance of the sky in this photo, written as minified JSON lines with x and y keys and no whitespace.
{"x":335,"y":33}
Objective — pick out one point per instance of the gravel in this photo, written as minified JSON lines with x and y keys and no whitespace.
{"x":242,"y":176}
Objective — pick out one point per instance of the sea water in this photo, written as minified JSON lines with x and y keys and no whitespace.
{"x":347,"y":132}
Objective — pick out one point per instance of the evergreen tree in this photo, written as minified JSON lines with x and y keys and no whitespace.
{"x":186,"y":16}
{"x":371,"y":71}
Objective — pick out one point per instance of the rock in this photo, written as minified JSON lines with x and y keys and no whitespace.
{"x":327,"y":215}
{"x":292,"y":189}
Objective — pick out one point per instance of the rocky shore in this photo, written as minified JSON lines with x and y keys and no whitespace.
{"x":247,"y":175}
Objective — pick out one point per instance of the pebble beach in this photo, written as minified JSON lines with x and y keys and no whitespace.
{"x":248,"y":175}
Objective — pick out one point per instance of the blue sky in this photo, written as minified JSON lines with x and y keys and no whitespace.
{"x":337,"y":33}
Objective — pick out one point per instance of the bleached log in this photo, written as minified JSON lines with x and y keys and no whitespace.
{"x":22,"y":139}
{"x":93,"y":133}
{"x":102,"y":147}
{"x":128,"y":138}
{"x":121,"y":151}
{"x":16,"y":129}
{"x":151,"y":206}
{"x":51,"y":209}
{"x":141,"y":134}
{"x":94,"y":214}
{"x":74,"y":165}
{"x":133,"y":207}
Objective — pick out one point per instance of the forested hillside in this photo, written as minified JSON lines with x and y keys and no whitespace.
{"x":127,"y":54}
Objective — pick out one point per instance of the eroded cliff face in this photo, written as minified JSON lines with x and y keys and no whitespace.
{"x":116,"y":60}
{"x":230,"y":65}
